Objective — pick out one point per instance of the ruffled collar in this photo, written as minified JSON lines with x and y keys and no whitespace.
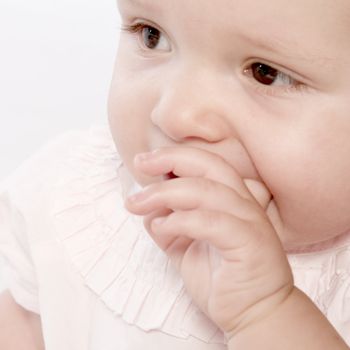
{"x":122,"y":266}
{"x":110,"y":249}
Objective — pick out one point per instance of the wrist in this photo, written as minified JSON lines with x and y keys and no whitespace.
{"x":295,"y":324}
{"x":261,"y":312}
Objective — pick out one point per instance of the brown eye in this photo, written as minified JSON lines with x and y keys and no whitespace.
{"x":150,"y":36}
{"x":264,"y":74}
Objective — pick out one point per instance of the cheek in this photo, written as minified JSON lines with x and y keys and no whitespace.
{"x":308,"y":173}
{"x":129,"y":108}
{"x":126,"y":131}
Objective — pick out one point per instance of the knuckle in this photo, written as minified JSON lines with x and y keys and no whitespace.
{"x":205,"y":185}
{"x":211,"y":220}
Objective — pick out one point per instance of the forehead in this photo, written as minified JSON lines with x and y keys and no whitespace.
{"x":308,"y":28}
{"x":241,"y":13}
{"x":306,"y":8}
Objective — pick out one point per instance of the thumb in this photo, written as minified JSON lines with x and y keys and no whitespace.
{"x":259,"y":191}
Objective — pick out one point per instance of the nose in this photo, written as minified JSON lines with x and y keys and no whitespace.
{"x":190,"y":107}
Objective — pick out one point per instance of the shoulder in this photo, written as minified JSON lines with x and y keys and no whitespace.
{"x":19,"y":323}
{"x":70,"y":151}
{"x":57,"y":176}
{"x":48,"y":195}
{"x":81,"y":209}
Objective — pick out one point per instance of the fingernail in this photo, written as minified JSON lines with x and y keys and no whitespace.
{"x":141,"y":157}
{"x":137,"y":197}
{"x":159,"y":221}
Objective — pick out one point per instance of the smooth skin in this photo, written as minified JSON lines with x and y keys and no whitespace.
{"x":236,"y":274}
{"x":20,"y":329}
{"x":221,"y":240}
{"x":261,"y":168}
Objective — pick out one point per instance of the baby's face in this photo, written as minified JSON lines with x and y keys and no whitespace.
{"x":264,"y":84}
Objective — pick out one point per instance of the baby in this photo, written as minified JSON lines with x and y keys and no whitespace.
{"x":232,"y":121}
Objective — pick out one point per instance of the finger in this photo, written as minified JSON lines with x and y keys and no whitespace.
{"x":191,"y":162}
{"x":192,"y":193}
{"x":162,"y":241}
{"x":259,"y":192}
{"x":223,"y":231}
{"x":174,"y":246}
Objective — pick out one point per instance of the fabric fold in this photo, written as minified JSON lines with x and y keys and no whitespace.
{"x":110,"y":249}
{"x":120,"y":263}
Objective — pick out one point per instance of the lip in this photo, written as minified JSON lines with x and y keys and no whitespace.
{"x":170,"y":176}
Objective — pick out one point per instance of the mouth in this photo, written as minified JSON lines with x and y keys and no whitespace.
{"x":170,"y":176}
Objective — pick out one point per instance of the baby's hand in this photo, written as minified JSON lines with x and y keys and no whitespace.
{"x":216,"y":233}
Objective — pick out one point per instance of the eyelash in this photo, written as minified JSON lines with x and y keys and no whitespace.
{"x":298,"y":87}
{"x":134,"y":28}
{"x":137,"y":28}
{"x":272,"y":90}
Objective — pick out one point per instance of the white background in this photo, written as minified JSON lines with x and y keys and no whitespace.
{"x":56,"y":62}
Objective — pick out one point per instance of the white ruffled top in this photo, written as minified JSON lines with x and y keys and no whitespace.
{"x":74,"y":255}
